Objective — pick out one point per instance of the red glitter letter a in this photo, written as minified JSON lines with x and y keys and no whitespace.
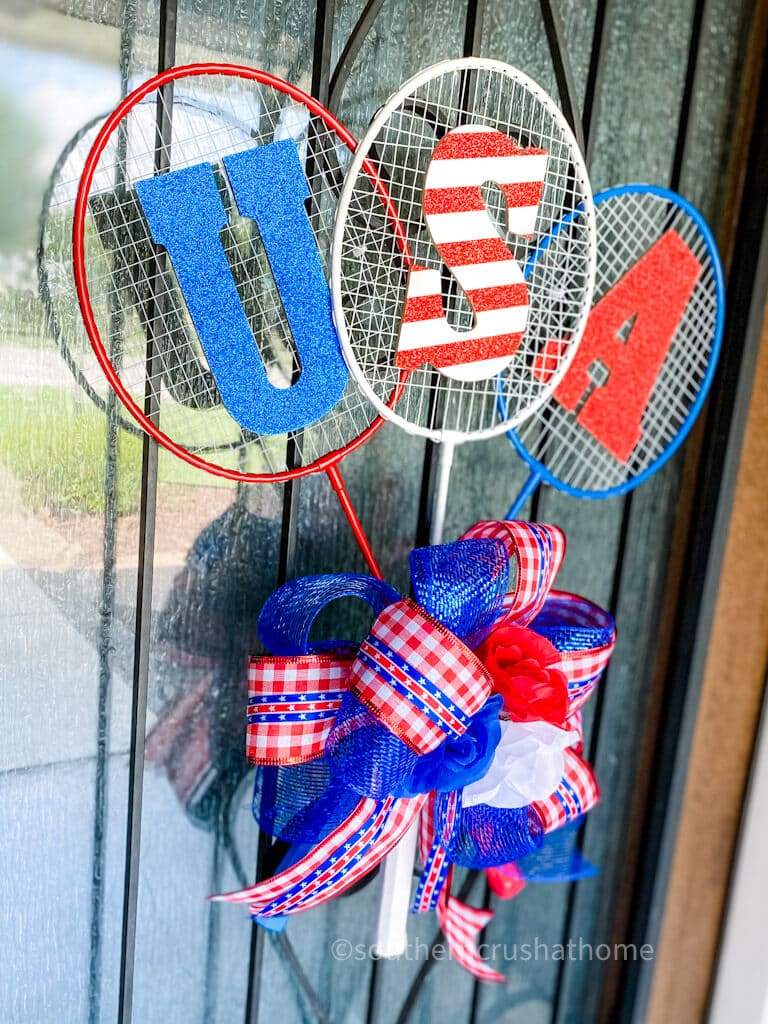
{"x":655,"y":291}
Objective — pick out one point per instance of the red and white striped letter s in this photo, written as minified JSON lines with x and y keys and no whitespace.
{"x":466,"y":238}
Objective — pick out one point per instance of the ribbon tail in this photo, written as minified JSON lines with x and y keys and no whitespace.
{"x":434,"y":856}
{"x":461,"y":926}
{"x":338,"y":862}
{"x":427,"y":826}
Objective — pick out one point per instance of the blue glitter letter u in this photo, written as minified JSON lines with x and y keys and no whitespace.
{"x":186,"y":215}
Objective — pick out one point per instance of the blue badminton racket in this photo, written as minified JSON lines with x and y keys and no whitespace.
{"x":647,"y":356}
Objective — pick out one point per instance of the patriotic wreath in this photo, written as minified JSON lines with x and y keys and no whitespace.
{"x":461,"y":708}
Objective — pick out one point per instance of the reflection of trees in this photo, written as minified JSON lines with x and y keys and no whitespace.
{"x":21,"y":184}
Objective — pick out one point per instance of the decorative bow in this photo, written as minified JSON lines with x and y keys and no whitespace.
{"x":458,"y":706}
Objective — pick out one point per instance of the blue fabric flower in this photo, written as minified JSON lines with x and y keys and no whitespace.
{"x":459,"y":760}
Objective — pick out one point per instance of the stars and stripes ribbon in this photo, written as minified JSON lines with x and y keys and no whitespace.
{"x":417,"y":680}
{"x":348,"y":854}
{"x":292,"y":703}
{"x":433,"y":853}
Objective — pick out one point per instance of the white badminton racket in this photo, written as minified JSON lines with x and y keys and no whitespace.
{"x":480,"y":166}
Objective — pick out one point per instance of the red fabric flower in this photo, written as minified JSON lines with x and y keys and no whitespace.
{"x":524,"y":668}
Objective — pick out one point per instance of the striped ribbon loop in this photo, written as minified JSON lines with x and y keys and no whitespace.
{"x":577,"y":793}
{"x":585,"y":636}
{"x":538,"y":551}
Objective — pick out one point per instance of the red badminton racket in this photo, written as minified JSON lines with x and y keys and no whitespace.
{"x":195,"y":122}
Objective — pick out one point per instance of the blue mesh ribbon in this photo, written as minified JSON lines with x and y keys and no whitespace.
{"x":462,"y":584}
{"x":288,"y":615}
{"x":558,"y":859}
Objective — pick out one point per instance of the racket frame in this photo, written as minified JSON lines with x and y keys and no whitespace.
{"x":359,"y":161}
{"x":539,"y":472}
{"x":325,"y":462}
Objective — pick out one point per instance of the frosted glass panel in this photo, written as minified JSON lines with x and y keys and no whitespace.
{"x":67,"y":561}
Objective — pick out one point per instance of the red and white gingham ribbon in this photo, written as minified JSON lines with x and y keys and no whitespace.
{"x":538,"y":552}
{"x":462,"y":925}
{"x":418,"y":678}
{"x":422,"y":683}
{"x":292,"y":702}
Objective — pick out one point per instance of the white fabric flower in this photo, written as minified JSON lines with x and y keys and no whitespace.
{"x":527,"y":765}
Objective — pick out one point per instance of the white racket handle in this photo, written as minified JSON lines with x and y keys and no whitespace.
{"x":391,"y":936}
{"x":395,"y":896}
{"x":440,"y":502}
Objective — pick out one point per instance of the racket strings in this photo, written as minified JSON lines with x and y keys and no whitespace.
{"x":187,"y":379}
{"x":208,"y":118}
{"x":628,"y":225}
{"x":401,"y":151}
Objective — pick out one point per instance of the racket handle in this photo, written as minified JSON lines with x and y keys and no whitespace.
{"x":530,"y":485}
{"x":391,"y":936}
{"x":337,"y":482}
{"x":440,"y":503}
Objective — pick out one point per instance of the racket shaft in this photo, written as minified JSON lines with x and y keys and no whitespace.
{"x":397,"y":873}
{"x":391,"y":936}
{"x":337,"y":482}
{"x":440,"y":503}
{"x":528,"y":488}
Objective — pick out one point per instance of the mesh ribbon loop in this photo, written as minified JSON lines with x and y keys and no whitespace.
{"x":287,"y":616}
{"x":462,"y":584}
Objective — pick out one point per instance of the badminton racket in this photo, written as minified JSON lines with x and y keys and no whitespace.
{"x":647,"y":357}
{"x":178,"y":149}
{"x":480,"y":165}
